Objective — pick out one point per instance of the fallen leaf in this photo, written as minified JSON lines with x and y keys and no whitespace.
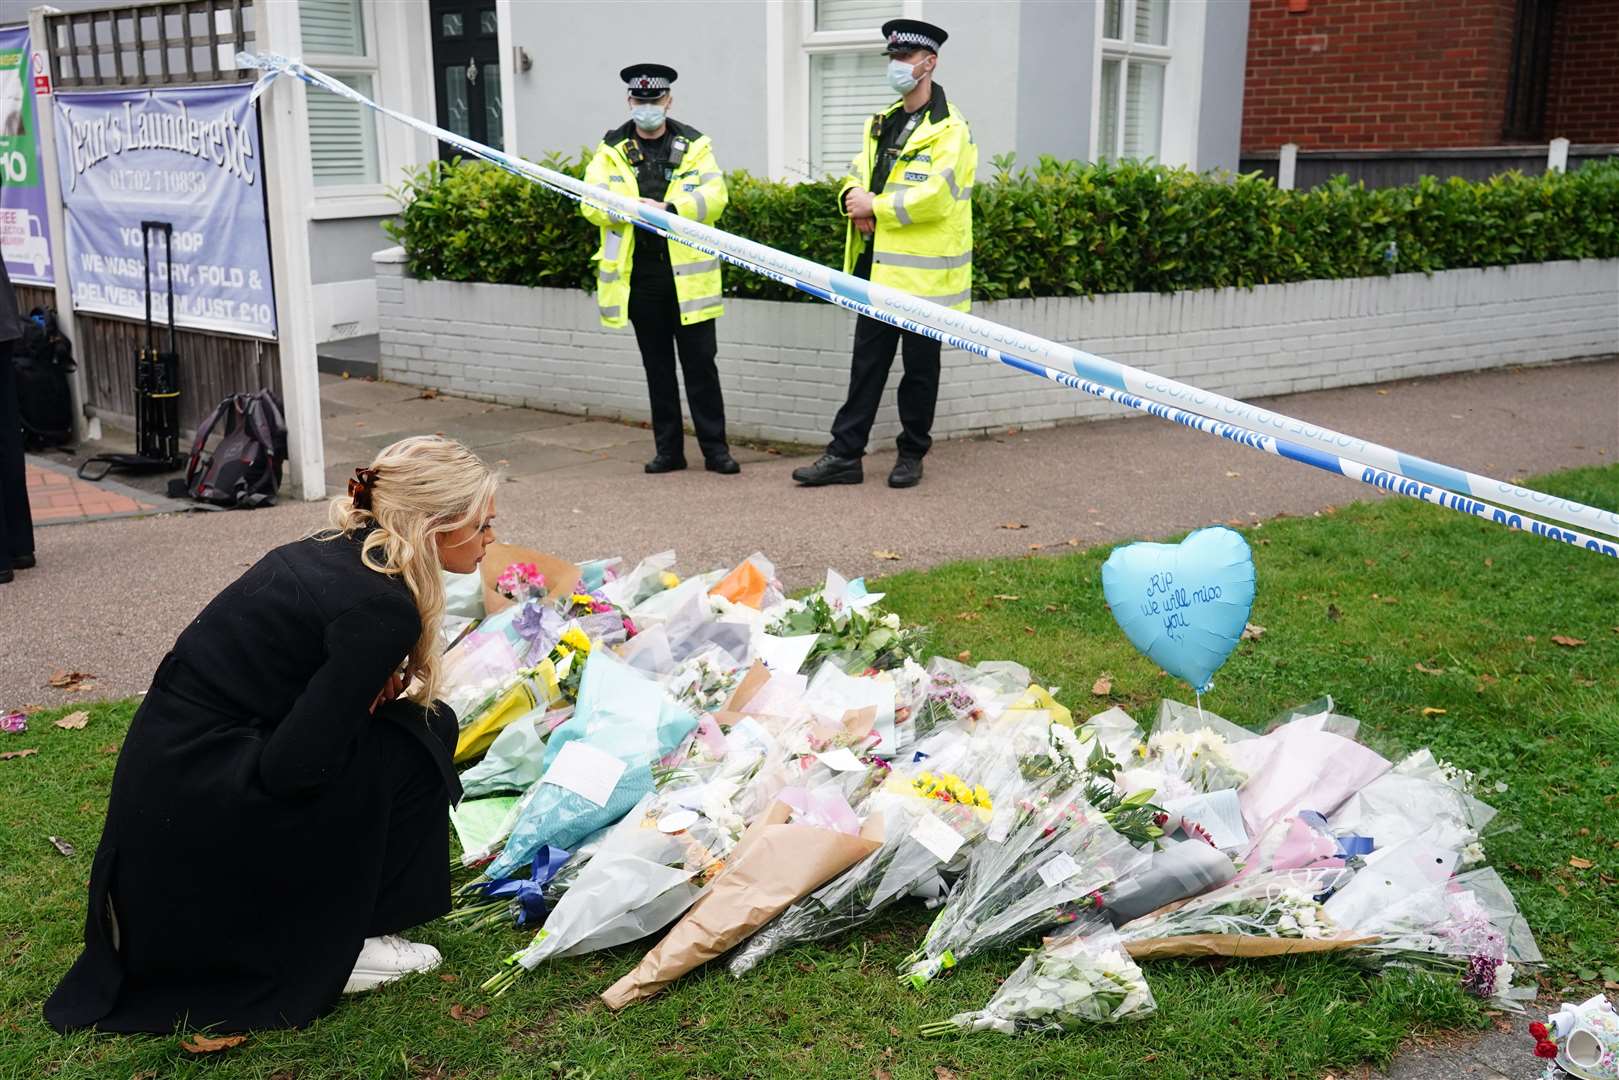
{"x":1028,"y":630}
{"x":468,"y":1016}
{"x":203,"y":1044}
{"x":1013,"y":525}
{"x":881,"y":1074}
{"x":1382,"y":393}
{"x":964,"y":655}
{"x":1253,"y":632}
{"x":449,"y":978}
{"x":942,"y":1073}
{"x":1431,"y":711}
{"x":63,"y":846}
{"x":1566,"y":641}
{"x":1103,"y":686}
{"x":1333,"y":614}
{"x":74,"y":721}
{"x":1007,"y":597}
{"x":1232,"y":475}
{"x":891,"y":556}
{"x":1073,"y":541}
{"x":429,"y":394}
{"x":1489,"y":561}
{"x":969,"y":616}
{"x":7,"y":755}
{"x":1034,"y":547}
{"x":1052,"y":607}
{"x":1419,"y":666}
{"x":1580,"y":864}
{"x":72,"y":681}
{"x":109,"y":749}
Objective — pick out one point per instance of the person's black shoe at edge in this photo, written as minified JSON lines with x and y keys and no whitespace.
{"x":830,"y":469}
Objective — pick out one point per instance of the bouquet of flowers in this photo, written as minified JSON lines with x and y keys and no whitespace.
{"x":650,"y":868}
{"x":1276,"y":913}
{"x":520,"y":582}
{"x":598,"y":763}
{"x":927,"y":819}
{"x":1198,"y":757}
{"x":1467,"y":926}
{"x":1081,"y":975}
{"x":784,"y":855}
{"x":861,"y":637}
{"x":1042,"y":853}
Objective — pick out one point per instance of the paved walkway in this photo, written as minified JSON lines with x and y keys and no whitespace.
{"x":56,"y":496}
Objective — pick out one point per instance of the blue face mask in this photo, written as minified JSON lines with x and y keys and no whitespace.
{"x":648,"y":117}
{"x":900,"y":76}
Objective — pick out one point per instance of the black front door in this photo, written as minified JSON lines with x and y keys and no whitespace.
{"x":466,"y":71}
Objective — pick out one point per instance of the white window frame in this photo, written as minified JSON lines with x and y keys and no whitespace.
{"x":791,"y":39}
{"x":1182,"y":58}
{"x":393,"y":141}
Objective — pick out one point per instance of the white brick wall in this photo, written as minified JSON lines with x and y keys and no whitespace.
{"x":784,"y":366}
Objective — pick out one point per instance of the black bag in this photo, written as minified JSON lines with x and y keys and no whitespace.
{"x":243,"y":471}
{"x":42,"y":361}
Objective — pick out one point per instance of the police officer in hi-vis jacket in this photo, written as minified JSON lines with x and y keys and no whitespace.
{"x":908,"y":200}
{"x":669,"y":292}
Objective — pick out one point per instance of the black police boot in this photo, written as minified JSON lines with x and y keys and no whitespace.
{"x":722,"y":463}
{"x":6,"y":577}
{"x":830,"y":469}
{"x":907,"y":473}
{"x":663,"y":464}
{"x":23,"y":562}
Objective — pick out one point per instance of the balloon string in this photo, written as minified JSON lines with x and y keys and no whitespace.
{"x":1199,"y":695}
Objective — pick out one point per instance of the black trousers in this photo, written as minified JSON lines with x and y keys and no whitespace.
{"x":16,"y":523}
{"x":415,"y":885}
{"x":874,"y":346}
{"x":655,"y":314}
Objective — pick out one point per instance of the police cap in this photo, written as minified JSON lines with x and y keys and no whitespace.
{"x":906,"y":35}
{"x":648,"y":82}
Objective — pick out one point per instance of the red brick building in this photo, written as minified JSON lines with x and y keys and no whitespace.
{"x":1409,"y":75}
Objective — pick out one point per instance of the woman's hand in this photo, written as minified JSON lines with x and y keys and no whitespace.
{"x":392,"y":689}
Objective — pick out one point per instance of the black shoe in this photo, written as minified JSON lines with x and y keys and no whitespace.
{"x":907,"y":473}
{"x":830,"y":469}
{"x":661,"y":464}
{"x":6,"y":576}
{"x":23,"y":562}
{"x":722,"y":463}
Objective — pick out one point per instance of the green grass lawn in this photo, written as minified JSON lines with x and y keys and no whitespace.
{"x":1351,"y":602}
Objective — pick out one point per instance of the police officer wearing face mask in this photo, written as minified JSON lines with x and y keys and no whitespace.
{"x":669,"y":292}
{"x":908,"y":200}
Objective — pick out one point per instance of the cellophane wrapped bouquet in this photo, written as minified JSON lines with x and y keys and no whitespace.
{"x":1081,"y":975}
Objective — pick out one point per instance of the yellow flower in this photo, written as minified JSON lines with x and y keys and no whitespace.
{"x":668,"y":580}
{"x":577,"y":638}
{"x":981,"y":797}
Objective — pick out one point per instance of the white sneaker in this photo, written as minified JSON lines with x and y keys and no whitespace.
{"x":384,"y":959}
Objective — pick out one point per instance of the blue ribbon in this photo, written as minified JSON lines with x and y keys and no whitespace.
{"x":528,"y":895}
{"x":1350,"y":846}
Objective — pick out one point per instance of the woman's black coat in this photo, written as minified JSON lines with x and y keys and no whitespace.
{"x":263,"y":822}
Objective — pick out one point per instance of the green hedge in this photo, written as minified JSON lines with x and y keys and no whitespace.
{"x":1060,"y":228}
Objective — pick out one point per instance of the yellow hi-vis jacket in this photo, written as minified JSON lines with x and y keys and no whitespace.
{"x":697,"y":190}
{"x":924,"y":237}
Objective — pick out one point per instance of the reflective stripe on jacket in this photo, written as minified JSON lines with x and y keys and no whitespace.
{"x":697,"y":191}
{"x":924,"y":238}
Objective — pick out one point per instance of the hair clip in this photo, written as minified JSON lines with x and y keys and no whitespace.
{"x":360,"y":486}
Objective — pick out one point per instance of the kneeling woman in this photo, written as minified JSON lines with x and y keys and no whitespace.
{"x":278,"y":813}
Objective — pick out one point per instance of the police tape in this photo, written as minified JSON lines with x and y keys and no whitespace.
{"x":1122,"y":384}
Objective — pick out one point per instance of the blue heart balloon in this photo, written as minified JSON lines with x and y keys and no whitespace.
{"x":1185,"y":605}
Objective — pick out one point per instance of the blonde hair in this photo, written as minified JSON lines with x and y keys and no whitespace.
{"x":423,"y":486}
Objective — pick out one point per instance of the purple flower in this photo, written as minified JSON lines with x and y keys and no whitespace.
{"x":539,"y":625}
{"x":1479,"y":978}
{"x":14,"y":723}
